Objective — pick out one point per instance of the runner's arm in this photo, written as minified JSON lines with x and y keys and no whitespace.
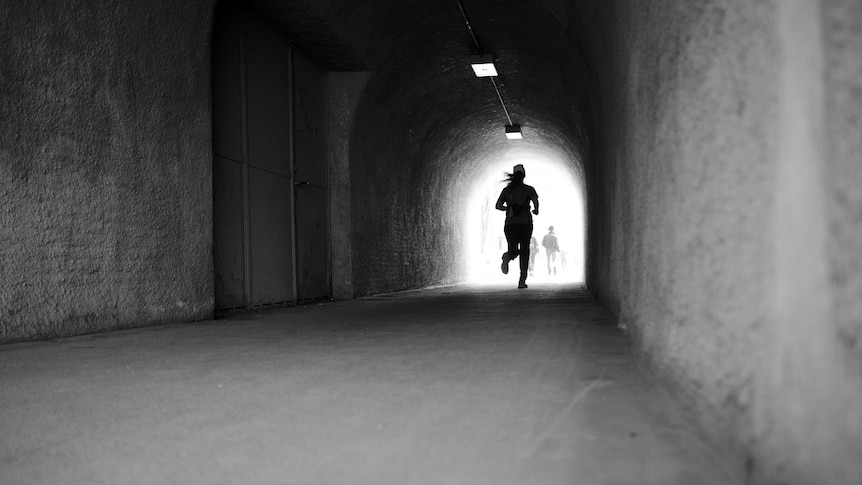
{"x":501,"y":202}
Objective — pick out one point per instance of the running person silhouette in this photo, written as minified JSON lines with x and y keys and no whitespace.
{"x":515,"y":200}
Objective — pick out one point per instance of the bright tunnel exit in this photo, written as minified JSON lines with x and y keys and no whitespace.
{"x":561,"y":205}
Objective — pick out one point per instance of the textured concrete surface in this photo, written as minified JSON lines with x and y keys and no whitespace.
{"x":344,"y":89}
{"x":688,"y":181}
{"x":811,"y":373}
{"x":842,"y":31}
{"x":723,"y":218}
{"x":106,"y":161}
{"x":452,"y":385}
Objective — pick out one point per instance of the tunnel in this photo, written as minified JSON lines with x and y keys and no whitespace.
{"x":425,"y":129}
{"x":177,"y":166}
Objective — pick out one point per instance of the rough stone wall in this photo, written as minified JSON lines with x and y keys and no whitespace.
{"x":842,"y":69}
{"x":406,"y":227}
{"x":808,"y":422}
{"x":106,"y":166}
{"x":402,"y":224}
{"x":344,"y":89}
{"x":725,"y":218}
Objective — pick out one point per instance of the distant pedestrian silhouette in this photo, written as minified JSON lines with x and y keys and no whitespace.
{"x":534,"y":250}
{"x":515,"y":200}
{"x":552,"y":248}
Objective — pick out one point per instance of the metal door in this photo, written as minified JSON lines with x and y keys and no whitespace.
{"x":269,"y":174}
{"x":252,"y":183}
{"x":229,"y":261}
{"x":312,"y":229}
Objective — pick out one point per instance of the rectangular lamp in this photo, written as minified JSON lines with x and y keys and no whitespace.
{"x":513,"y":132}
{"x":483,"y":66}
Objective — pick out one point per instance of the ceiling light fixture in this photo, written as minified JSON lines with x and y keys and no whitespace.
{"x":483,"y":66}
{"x":513,"y":132}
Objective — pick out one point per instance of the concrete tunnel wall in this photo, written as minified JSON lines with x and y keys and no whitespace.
{"x":725,"y":218}
{"x":105,"y":152}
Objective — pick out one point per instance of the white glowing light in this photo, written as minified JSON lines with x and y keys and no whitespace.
{"x":561,"y":204}
{"x":483,"y":66}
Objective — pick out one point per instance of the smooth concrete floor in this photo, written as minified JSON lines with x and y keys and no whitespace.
{"x":454,"y":385}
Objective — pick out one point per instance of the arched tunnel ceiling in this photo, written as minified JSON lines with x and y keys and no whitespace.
{"x":419,"y":52}
{"x":426,"y":133}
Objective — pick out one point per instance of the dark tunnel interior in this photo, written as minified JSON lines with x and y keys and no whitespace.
{"x":427,"y":129}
